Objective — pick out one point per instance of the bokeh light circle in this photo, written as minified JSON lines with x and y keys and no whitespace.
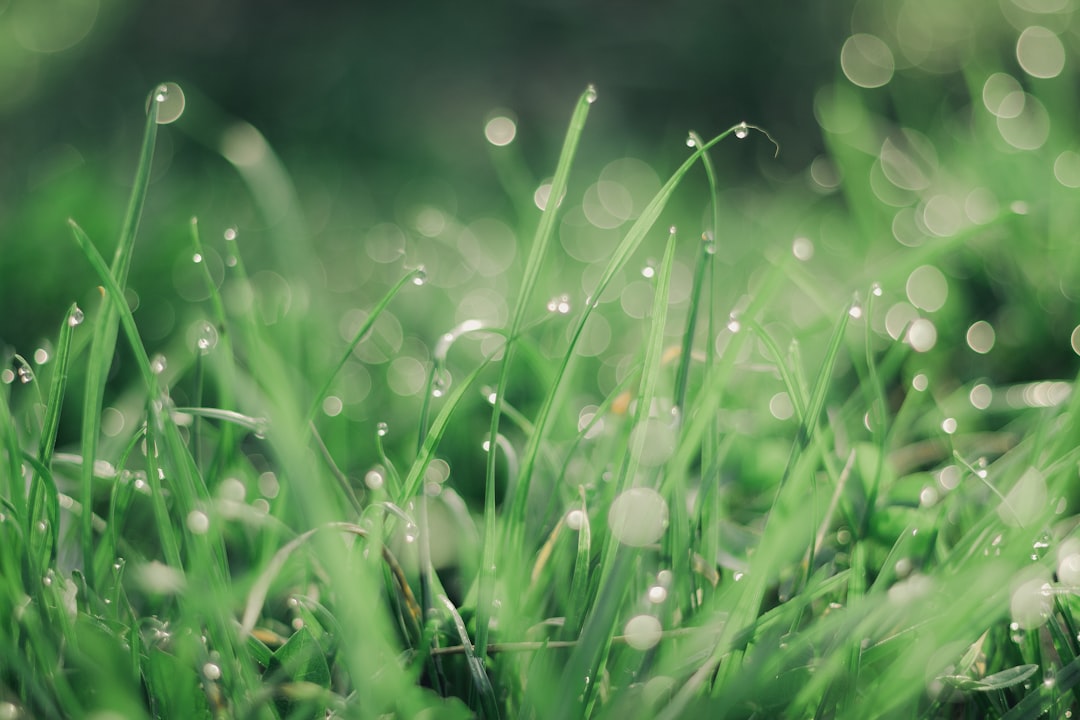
{"x":867,"y":61}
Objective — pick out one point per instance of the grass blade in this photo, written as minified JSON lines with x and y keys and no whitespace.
{"x":104,"y":342}
{"x":537,"y":252}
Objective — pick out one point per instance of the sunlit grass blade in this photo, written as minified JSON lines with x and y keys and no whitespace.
{"x":537,"y":253}
{"x":104,"y":343}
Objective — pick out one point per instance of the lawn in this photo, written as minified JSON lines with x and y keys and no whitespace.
{"x":633,"y":441}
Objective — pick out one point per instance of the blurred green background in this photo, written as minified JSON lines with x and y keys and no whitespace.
{"x":345,"y":143}
{"x":372,"y":107}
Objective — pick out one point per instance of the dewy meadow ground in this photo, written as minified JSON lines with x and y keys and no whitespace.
{"x":614,"y":453}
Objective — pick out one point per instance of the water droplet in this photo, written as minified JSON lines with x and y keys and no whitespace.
{"x":928,"y":496}
{"x":559,"y":304}
{"x":382,"y":429}
{"x":576,"y":519}
{"x":638,"y":517}
{"x":211,"y":671}
{"x":196,"y":258}
{"x":76,"y":317}
{"x":802,"y":248}
{"x":1032,"y":601}
{"x":262,"y":427}
{"x":948,"y":425}
{"x":742,"y":130}
{"x":42,"y":526}
{"x":855,"y":310}
{"x":198,"y":522}
{"x":440,"y":382}
{"x":207,"y":338}
{"x":158,"y":363}
{"x":170,"y":101}
{"x":7,"y":376}
{"x":419,"y":276}
{"x":708,"y":242}
{"x":47,"y":580}
{"x":374,"y":479}
{"x":733,"y":323}
{"x":657,"y":594}
{"x":230,"y":234}
{"x":411,"y":532}
{"x":41,"y":356}
{"x":26,"y":375}
{"x":649,"y":271}
{"x":643,"y":632}
{"x":590,"y":94}
{"x":690,"y":141}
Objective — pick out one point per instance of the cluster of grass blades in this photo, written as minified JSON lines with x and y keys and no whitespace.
{"x":652,"y":558}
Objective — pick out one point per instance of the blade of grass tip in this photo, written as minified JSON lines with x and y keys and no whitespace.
{"x":488,"y":705}
{"x":58,"y":385}
{"x":104,"y":343}
{"x":545,"y":231}
{"x":357,"y":337}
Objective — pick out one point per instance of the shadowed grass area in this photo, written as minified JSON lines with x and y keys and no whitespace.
{"x":733,"y":468}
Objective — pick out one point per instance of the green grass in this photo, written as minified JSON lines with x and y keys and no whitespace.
{"x":655,"y":535}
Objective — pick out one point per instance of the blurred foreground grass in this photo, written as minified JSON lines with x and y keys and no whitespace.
{"x":807,"y":453}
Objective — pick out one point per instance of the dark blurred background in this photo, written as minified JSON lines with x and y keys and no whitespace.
{"x":364,"y":98}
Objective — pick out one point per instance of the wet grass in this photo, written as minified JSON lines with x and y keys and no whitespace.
{"x":777,"y":504}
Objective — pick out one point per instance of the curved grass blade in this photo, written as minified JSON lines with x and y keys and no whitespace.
{"x":104,"y":343}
